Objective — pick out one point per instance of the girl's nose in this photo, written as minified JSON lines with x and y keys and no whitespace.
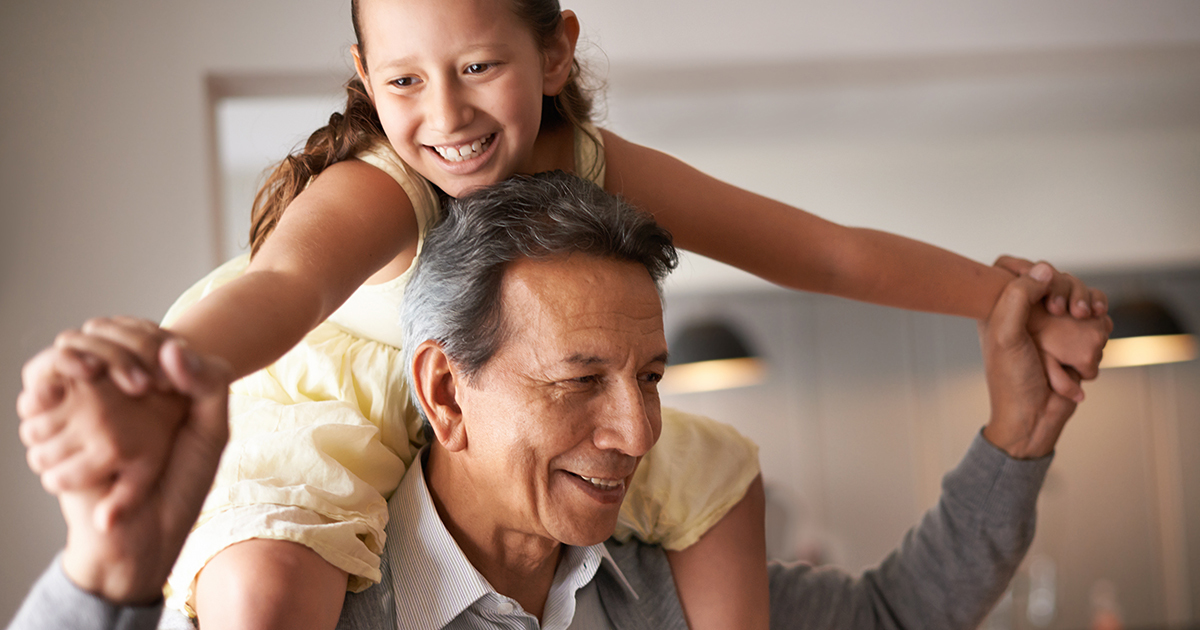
{"x":447,"y":108}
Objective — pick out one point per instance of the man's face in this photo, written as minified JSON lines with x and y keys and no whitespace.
{"x":557,"y":421}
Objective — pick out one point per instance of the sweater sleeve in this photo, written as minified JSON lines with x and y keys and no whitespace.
{"x":949,"y":570}
{"x":56,"y":602}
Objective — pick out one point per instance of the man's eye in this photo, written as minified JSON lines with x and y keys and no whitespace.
{"x":585,"y":380}
{"x":652,"y":377}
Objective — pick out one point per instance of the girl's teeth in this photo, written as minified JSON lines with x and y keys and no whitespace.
{"x":465,"y":152}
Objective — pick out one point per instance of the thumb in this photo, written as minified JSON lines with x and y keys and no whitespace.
{"x":193,"y":462}
{"x":1011,"y":312}
{"x":205,"y":380}
{"x":1012,"y":264}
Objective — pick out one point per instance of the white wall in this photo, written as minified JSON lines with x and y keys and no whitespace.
{"x":106,"y":203}
{"x":105,"y":166}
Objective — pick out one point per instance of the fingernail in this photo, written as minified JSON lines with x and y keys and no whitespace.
{"x":138,"y":377}
{"x":1040,"y":272}
{"x":1099,"y":307}
{"x":190,"y":359}
{"x":1060,"y":304}
{"x":1083,"y":306}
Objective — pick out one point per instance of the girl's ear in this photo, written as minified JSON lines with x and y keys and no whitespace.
{"x":436,"y":383}
{"x":560,"y":55}
{"x":360,"y":66}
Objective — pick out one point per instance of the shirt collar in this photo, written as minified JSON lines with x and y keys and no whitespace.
{"x":432,"y":580}
{"x":422,"y":555}
{"x":615,"y":569}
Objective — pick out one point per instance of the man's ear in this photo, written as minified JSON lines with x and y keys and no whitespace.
{"x":560,"y":55}
{"x":436,"y":383}
{"x":360,"y":66}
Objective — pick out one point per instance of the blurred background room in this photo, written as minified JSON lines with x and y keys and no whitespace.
{"x":134,"y":133}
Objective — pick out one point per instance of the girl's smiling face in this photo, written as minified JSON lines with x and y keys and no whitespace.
{"x":458,"y":86}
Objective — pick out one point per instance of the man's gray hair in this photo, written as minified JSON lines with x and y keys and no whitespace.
{"x":453,"y":297}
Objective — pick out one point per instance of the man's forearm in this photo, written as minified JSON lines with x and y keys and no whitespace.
{"x":950,"y":569}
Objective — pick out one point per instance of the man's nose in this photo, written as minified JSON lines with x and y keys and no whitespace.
{"x":447,"y":108}
{"x":628,"y":426}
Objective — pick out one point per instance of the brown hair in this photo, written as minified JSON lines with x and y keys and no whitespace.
{"x":356,"y":129}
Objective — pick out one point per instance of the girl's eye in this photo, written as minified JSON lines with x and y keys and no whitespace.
{"x":405,"y":81}
{"x":478,"y":68}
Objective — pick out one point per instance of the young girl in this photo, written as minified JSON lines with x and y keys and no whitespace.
{"x":452,"y":95}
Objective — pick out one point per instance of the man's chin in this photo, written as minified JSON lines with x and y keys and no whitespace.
{"x":585,"y":530}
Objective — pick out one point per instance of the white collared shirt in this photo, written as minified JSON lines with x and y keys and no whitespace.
{"x":436,"y":587}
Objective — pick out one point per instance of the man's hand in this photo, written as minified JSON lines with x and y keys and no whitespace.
{"x":1027,"y":414}
{"x":127,"y":562}
{"x":77,"y":446}
{"x":1069,"y":325}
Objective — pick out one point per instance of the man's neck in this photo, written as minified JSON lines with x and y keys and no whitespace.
{"x":516,"y":564}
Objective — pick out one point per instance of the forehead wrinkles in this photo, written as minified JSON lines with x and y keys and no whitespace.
{"x":579,"y":302}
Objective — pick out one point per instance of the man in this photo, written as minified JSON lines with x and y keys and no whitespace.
{"x":535,"y":346}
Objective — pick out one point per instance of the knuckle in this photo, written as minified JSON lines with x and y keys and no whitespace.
{"x":33,"y":458}
{"x":29,"y":432}
{"x":26,"y":405}
{"x":95,"y":323}
{"x":105,"y":455}
{"x":31,"y":368}
{"x":66,"y":337}
{"x":54,"y":481}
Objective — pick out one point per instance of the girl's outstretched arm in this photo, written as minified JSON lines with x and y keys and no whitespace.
{"x":722,"y":578}
{"x":796,"y":249}
{"x":352,"y":225}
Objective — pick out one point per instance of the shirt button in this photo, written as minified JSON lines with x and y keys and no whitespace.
{"x":505,"y":608}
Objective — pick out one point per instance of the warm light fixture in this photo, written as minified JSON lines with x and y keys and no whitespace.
{"x":1146,"y":333}
{"x":707,"y":356}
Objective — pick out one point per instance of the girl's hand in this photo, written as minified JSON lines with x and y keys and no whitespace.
{"x":1065,"y":290}
{"x":78,"y":447}
{"x":1071,"y":348}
